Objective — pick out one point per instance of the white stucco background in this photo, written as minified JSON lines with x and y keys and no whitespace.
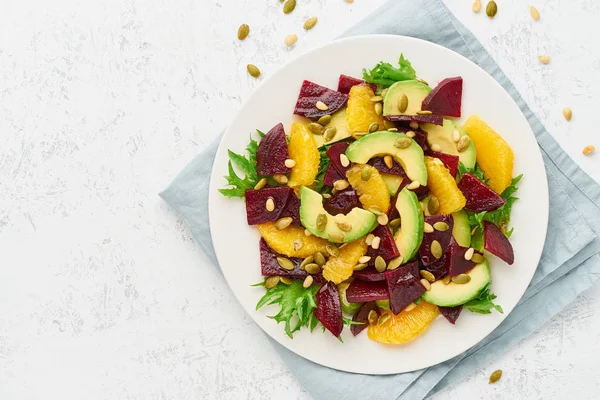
{"x":103,"y":293}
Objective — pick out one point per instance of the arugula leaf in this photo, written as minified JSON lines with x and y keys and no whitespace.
{"x":323,"y":165}
{"x":384,"y":74}
{"x":297,"y":305}
{"x":483,"y":303}
{"x":247,"y":165}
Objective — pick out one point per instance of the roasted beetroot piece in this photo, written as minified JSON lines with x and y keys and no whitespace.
{"x":369,"y":274}
{"x":272,"y":153}
{"x":334,"y":153}
{"x":270,"y":267}
{"x":362,"y":291}
{"x":292,"y":209}
{"x":256,"y":200}
{"x":329,"y":308}
{"x":451,"y":313}
{"x":346,"y":82}
{"x":438,"y":268}
{"x":393,"y":211}
{"x":425,"y":119}
{"x":404,"y":286}
{"x":362,"y":316}
{"x":332,"y":175}
{"x":311,"y":93}
{"x":422,"y":192}
{"x":455,"y":259}
{"x":445,"y":98}
{"x":342,"y":202}
{"x":387,"y":247}
{"x":449,"y":160}
{"x":379,"y":164}
{"x":497,"y":243}
{"x":443,"y":237}
{"x":479,"y":196}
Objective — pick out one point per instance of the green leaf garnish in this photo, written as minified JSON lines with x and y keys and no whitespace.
{"x":384,"y":74}
{"x":247,"y":165}
{"x":323,"y":165}
{"x":483,"y":303}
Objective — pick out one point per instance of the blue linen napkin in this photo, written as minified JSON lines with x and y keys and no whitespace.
{"x":568,"y":266}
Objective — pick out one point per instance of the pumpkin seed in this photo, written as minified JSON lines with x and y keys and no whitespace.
{"x":441,"y":226}
{"x":373,"y":317}
{"x":424,"y":112}
{"x":365,"y":174}
{"x":270,"y":205}
{"x":492,"y":9}
{"x":332,"y":250}
{"x":383,"y":319}
{"x":320,"y":105}
{"x":283,"y":223}
{"x":337,"y":237}
{"x":289,"y":6}
{"x":307,"y":282}
{"x":310,"y":23}
{"x":285,"y":263}
{"x":360,"y":266}
{"x":446,"y":280}
{"x":413,"y":185}
{"x":403,"y":143}
{"x":324,"y":120}
{"x":495,"y":376}
{"x":567,"y":113}
{"x":535,"y":14}
{"x":433,"y":205}
{"x":316,"y":128}
{"x":261,"y":184}
{"x":421,"y":80}
{"x":312,"y":268}
{"x":469,"y":254}
{"x":307,"y":233}
{"x":463,"y":143}
{"x":544,"y":59}
{"x":402,"y":103}
{"x":359,"y":134}
{"x":393,"y":129}
{"x":436,"y":147}
{"x":411,"y":134}
{"x":382,"y":219}
{"x":369,"y":239}
{"x":341,"y":184}
{"x":427,"y":275}
{"x":344,"y":160}
{"x":297,"y":244}
{"x":286,"y":280}
{"x":436,"y":249}
{"x":456,"y":136}
{"x":389,"y":162}
{"x":280,"y":178}
{"x":376,"y":210}
{"x":243,"y":31}
{"x":290,"y":163}
{"x":476,"y":6}
{"x":588,"y":150}
{"x":414,"y":125}
{"x":306,"y":261}
{"x":319,"y":259}
{"x":395,"y":222}
{"x":383,"y":92}
{"x":376,"y":242}
{"x":378,"y":108}
{"x":373,"y":127}
{"x":426,"y":284}
{"x":291,"y":39}
{"x":271,"y":282}
{"x":326,"y":196}
{"x":329,"y":133}
{"x":427,"y":228}
{"x":253,"y":70}
{"x":344,"y":226}
{"x":395,"y":263}
{"x":376,"y":99}
{"x":364,"y":259}
{"x":410,"y":307}
{"x":321,"y":222}
{"x":477,"y":258}
{"x":461,"y":279}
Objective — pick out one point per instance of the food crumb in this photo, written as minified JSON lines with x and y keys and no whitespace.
{"x":589,"y":150}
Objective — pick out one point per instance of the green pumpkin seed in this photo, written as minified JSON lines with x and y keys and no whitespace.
{"x":297,"y":244}
{"x":373,"y":127}
{"x":433,"y":205}
{"x":271,"y":282}
{"x":396,"y":223}
{"x":376,"y":210}
{"x":380,"y":264}
{"x":378,"y":108}
{"x":373,"y":317}
{"x":426,"y":284}
{"x":332,"y":250}
{"x":382,"y":219}
{"x":492,"y":9}
{"x":427,"y":275}
{"x":253,"y":70}
{"x":316,"y":128}
{"x":383,"y":319}
{"x":261,"y":184}
{"x":495,"y":376}
{"x":360,"y":266}
{"x":461,"y":279}
{"x":392,"y":129}
{"x":324,"y":120}
{"x":312,"y":268}
{"x":422,"y":81}
{"x":463,"y":143}
{"x":310,"y":23}
{"x":446,"y":280}
{"x":441,"y":226}
{"x":389,"y":161}
{"x":395,"y":263}
{"x":285,"y":263}
{"x":410,"y":307}
{"x":280,"y":178}
{"x":341,"y":184}
{"x":243,"y":31}
{"x":436,"y":249}
{"x":427,"y":228}
{"x":477,"y":258}
{"x":307,"y":233}
{"x":307,"y":260}
{"x":403,"y":142}
{"x":329,"y":133}
{"x":289,"y":6}
{"x":307,"y":282}
{"x":365,"y":174}
{"x":319,"y":259}
{"x":283,"y":223}
{"x":344,"y":226}
{"x":424,"y":112}
{"x":402,"y":103}
{"x":336,"y":237}
{"x":321,"y":222}
{"x":291,"y":39}
{"x":286,"y":280}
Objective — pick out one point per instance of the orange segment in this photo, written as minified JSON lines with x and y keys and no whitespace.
{"x":303,"y":149}
{"x":494,"y":155}
{"x":406,"y":326}
{"x":282,"y":240}
{"x":360,"y":112}
{"x":443,"y":186}
{"x":339,"y":268}
{"x":373,"y":192}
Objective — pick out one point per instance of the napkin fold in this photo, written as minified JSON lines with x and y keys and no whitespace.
{"x":569,"y":263}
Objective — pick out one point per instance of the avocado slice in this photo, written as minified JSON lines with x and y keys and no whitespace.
{"x":381,"y":143}
{"x":410,"y":235}
{"x":392,"y":182}
{"x":360,"y":221}
{"x":461,"y":229}
{"x":443,"y":136}
{"x":347,"y":307}
{"x":453,"y":294}
{"x":338,"y":121}
{"x":415,"y":91}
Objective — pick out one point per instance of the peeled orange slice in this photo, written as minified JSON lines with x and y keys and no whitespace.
{"x":282,"y":240}
{"x":339,"y":268}
{"x":303,"y":150}
{"x":404,"y":327}
{"x":360,"y":113}
{"x":372,"y":192}
{"x":443,"y":186}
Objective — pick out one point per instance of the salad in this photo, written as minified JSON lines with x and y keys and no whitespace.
{"x":377,"y":210}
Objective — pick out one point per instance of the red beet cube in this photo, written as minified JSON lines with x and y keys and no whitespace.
{"x":404,"y":286}
{"x":449,"y":160}
{"x":443,"y":237}
{"x":387,"y":247}
{"x":346,"y":82}
{"x":329,"y":309}
{"x":270,"y":267}
{"x":334,"y":153}
{"x":451,"y":313}
{"x":362,"y":291}
{"x":311,"y":93}
{"x":362,"y":315}
{"x":425,"y":119}
{"x":497,"y":243}
{"x":272,"y":152}
{"x":380,"y":166}
{"x":332,"y":175}
{"x":479,"y":196}
{"x":256,"y":200}
{"x":342,"y":202}
{"x":455,"y":259}
{"x":445,"y":98}
{"x":292,"y":209}
{"x":369,"y":274}
{"x":438,"y":268}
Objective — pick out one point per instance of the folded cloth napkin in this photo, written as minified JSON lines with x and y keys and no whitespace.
{"x":567,"y":267}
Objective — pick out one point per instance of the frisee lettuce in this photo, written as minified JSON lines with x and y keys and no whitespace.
{"x":483,"y":303}
{"x":247,"y":164}
{"x":385,"y":74}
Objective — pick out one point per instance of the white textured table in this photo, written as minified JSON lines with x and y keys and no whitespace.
{"x":103,"y":294}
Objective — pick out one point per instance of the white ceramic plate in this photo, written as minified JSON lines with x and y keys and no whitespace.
{"x":236,"y":243}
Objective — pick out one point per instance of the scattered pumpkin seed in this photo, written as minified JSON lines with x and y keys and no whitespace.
{"x":411,"y":134}
{"x":344,"y":226}
{"x":270,"y":205}
{"x":433,"y":205}
{"x":310,"y":23}
{"x":376,"y":99}
{"x":395,"y":222}
{"x":395,"y":263}
{"x":285,"y":263}
{"x":376,"y":242}
{"x":376,"y":210}
{"x":427,"y":228}
{"x":290,"y":163}
{"x":334,"y":191}
{"x":329,"y":133}
{"x":316,"y":128}
{"x":320,"y":105}
{"x":402,"y":103}
{"x":253,"y":70}
{"x":477,"y":258}
{"x":332,"y":250}
{"x":469,"y":254}
{"x":441,"y":226}
{"x":403,"y":143}
{"x":424,"y":112}
{"x":280,"y":178}
{"x":456,"y":136}
{"x":324,"y":120}
{"x":369,"y":239}
{"x":461,"y":279}
{"x":286,"y":280}
{"x":243,"y":31}
{"x":544,"y":59}
{"x":378,"y":108}
{"x":446,"y":280}
{"x":380,"y":264}
{"x":535,"y":14}
{"x":336,"y":237}
{"x":321,"y":222}
{"x":359,"y":134}
{"x":365,"y":174}
{"x":588,"y":150}
{"x":413,"y":185}
{"x":307,"y":233}
{"x":427,"y":275}
{"x":436,"y":249}
{"x":463,"y":143}
{"x":495,"y":376}
{"x":344,"y":160}
{"x":319,"y":258}
{"x":383,"y":92}
{"x":307,"y":282}
{"x":567,"y":113}
{"x":421,"y":80}
{"x":436,"y":147}
{"x":349,"y":1}
{"x":492,"y":9}
{"x":393,"y":129}
{"x":306,"y":261}
{"x":283,"y":223}
{"x":414,"y":125}
{"x":373,"y":127}
{"x":271,"y":282}
{"x":389,"y":161}
{"x":476,"y":6}
{"x":297,"y":244}
{"x":383,"y":319}
{"x":373,"y":317}
{"x":360,"y":266}
{"x":291,"y":39}
{"x":426,"y":284}
{"x":312,"y":268}
{"x":383,"y":220}
{"x":261,"y":184}
{"x":289,"y":6}
{"x":364,"y":259}
{"x":341,"y":184}
{"x":410,"y":307}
